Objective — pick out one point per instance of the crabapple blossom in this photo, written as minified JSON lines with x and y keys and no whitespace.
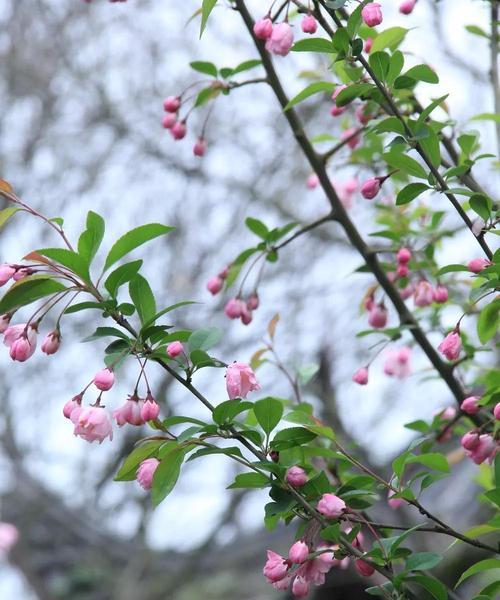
{"x":370,"y":188}
{"x":51,"y":343}
{"x":361,"y":376}
{"x":146,"y":471}
{"x":92,"y":424}
{"x":8,"y":537}
{"x":364,"y":568}
{"x":215,"y":285}
{"x":150,"y":409}
{"x":281,"y":39}
{"x":71,"y":405}
{"x":451,"y":345}
{"x":362,"y":115}
{"x":296,"y":476}
{"x":470,"y":405}
{"x":377,"y":317}
{"x":406,"y":7}
{"x":309,"y":24}
{"x":394,"y":503}
{"x":178,"y":130}
{"x":234,"y":308}
{"x":298,"y":552}
{"x":331,"y":506}
{"x":351,"y":137}
{"x":312,"y":181}
{"x":169,"y":120}
{"x":200,"y":147}
{"x":253,"y":301}
{"x":300,"y":587}
{"x":21,"y":340}
{"x":423,"y":294}
{"x":104,"y":379}
{"x":397,"y":363}
{"x":6,"y":273}
{"x":402,"y":271}
{"x":129,"y":412}
{"x":440,"y":294}
{"x":4,"y":322}
{"x":470,"y":440}
{"x":240,"y":380}
{"x":372,"y":14}
{"x":263,"y":28}
{"x":172,"y":104}
{"x":476,"y":265}
{"x":368,"y":45}
{"x":403,"y":256}
{"x":496,"y":411}
{"x":275,"y":568}
{"x":485,"y":449}
{"x":174,"y":349}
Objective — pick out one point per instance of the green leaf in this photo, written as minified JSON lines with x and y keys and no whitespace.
{"x":6,"y":214}
{"x":204,"y":339}
{"x":390,"y":38}
{"x":91,"y":238}
{"x":207,"y":94}
{"x":206,"y":68}
{"x":481,"y":205}
{"x":431,"y":146}
{"x":351,"y":92}
{"x":257,"y":227}
{"x":142,"y":297}
{"x":74,"y":308}
{"x":405,"y":163}
{"x":71,"y":260}
{"x":228,"y":451}
{"x":380,"y":62}
{"x":314,"y":88}
{"x":121,"y":275}
{"x":314,"y":45}
{"x":451,"y":269}
{"x":206,"y":8}
{"x":249,"y":480}
{"x":129,"y":467}
{"x":410,"y":192}
{"x":422,"y":73}
{"x":433,"y":586}
{"x":396,"y":66}
{"x":167,"y":474}
{"x":291,"y":437}
{"x":133,"y":239}
{"x":420,"y":561}
{"x":237,"y":264}
{"x":268,"y":413}
{"x":101,"y":332}
{"x":475,"y":30}
{"x":488,"y":321}
{"x":246,"y":65}
{"x":483,"y":565}
{"x":167,"y":310}
{"x":433,"y":460}
{"x":429,"y":109}
{"x":487,"y":117}
{"x":29,"y":290}
{"x":226,"y":411}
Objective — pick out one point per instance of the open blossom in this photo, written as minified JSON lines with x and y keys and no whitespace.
{"x":51,"y":343}
{"x":377,"y":317}
{"x":451,"y":345}
{"x":370,"y":188}
{"x":298,"y":552}
{"x":174,"y":349}
{"x":6,"y":273}
{"x":406,"y":7}
{"x":21,"y":339}
{"x":296,"y":476}
{"x":470,"y":405}
{"x":129,"y":412}
{"x":281,"y":39}
{"x":92,"y":424}
{"x":275,"y":568}
{"x":104,"y":380}
{"x":309,"y":24}
{"x":371,"y":14}
{"x":397,"y":363}
{"x":476,"y":265}
{"x":146,"y":471}
{"x":423,"y":294}
{"x":8,"y":537}
{"x":240,"y":380}
{"x":300,"y":587}
{"x":331,"y":506}
{"x":361,"y":376}
{"x":263,"y":28}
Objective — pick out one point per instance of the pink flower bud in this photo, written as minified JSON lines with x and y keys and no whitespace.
{"x":470,"y":440}
{"x":309,"y":24}
{"x":423,"y":294}
{"x":331,"y":506}
{"x":71,"y":405}
{"x":21,"y":339}
{"x":130,"y":412}
{"x":169,"y":120}
{"x":263,"y":28}
{"x":4,"y":322}
{"x":275,"y":568}
{"x":368,"y":45}
{"x":298,"y":553}
{"x":8,"y":537}
{"x":402,"y":271}
{"x":22,"y":273}
{"x":407,"y":291}
{"x":240,"y":380}
{"x":394,"y":503}
{"x":296,"y":476}
{"x":451,"y":346}
{"x":312,"y":181}
{"x":92,"y":424}
{"x":470,"y":405}
{"x":496,"y":411}
{"x":6,"y":273}
{"x":246,"y":314}
{"x":51,"y":343}
{"x":146,"y":471}
{"x":172,"y":104}
{"x":362,"y":567}
{"x":300,"y":587}
{"x":178,"y":130}
{"x":337,"y":91}
{"x":476,"y":265}
{"x":253,"y":301}
{"x":174,"y":349}
{"x":440,"y":294}
{"x":234,"y":308}
{"x":377,"y":317}
{"x":351,"y":135}
{"x":397,"y":363}
{"x":336,"y":111}
{"x":104,"y":380}
{"x":199,"y":147}
{"x":21,"y":350}
{"x":485,"y":449}
{"x":214,"y":285}
{"x":370,"y":188}
{"x":362,"y":115}
{"x":371,"y":14}
{"x":281,"y":39}
{"x":406,"y":7}
{"x":150,"y":409}
{"x":361,"y":376}
{"x":403,"y":256}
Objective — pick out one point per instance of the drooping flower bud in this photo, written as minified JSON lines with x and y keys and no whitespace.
{"x":234,"y":308}
{"x":451,"y":345}
{"x":394,"y":503}
{"x":423,"y":294}
{"x":92,"y":424}
{"x":470,"y":405}
{"x":200,"y":147}
{"x":178,"y":130}
{"x":364,"y":568}
{"x":361,"y":376}
{"x":51,"y":343}
{"x":331,"y":506}
{"x":150,"y":409}
{"x":281,"y":39}
{"x":104,"y":380}
{"x":172,"y":104}
{"x":368,"y":45}
{"x":146,"y":471}
{"x":406,"y":7}
{"x":440,"y":294}
{"x":309,"y":24}
{"x":402,"y":271}
{"x":240,"y":380}
{"x":263,"y":28}
{"x":215,"y":285}
{"x":296,"y":476}
{"x":300,"y":587}
{"x":71,"y":405}
{"x":253,"y":301}
{"x":372,"y":14}
{"x":298,"y":553}
{"x":470,"y":440}
{"x":403,"y":256}
{"x":377,"y":317}
{"x":370,"y":188}
{"x":275,"y":568}
{"x":169,"y":120}
{"x":174,"y":349}
{"x":496,"y":411}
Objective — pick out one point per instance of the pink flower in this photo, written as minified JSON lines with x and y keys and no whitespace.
{"x":326,"y":560}
{"x":281,"y":39}
{"x":246,"y":314}
{"x":351,"y":135}
{"x":174,"y":349}
{"x":496,"y":411}
{"x":199,"y":147}
{"x":234,"y":308}
{"x":368,"y":45}
{"x":407,"y":291}
{"x":363,"y":567}
{"x":371,"y":14}
{"x":8,"y":537}
{"x":309,"y":24}
{"x":240,"y":380}
{"x":397,"y":363}
{"x":312,"y":181}
{"x":377,"y":317}
{"x":263,"y":28}
{"x":178,"y":130}
{"x":447,"y":414}
{"x":172,"y":104}
{"x":150,"y":409}
{"x":275,"y":568}
{"x":51,"y":343}
{"x":476,"y":265}
{"x":4,"y":322}
{"x":6,"y":273}
{"x":361,"y":376}
{"x":394,"y":503}
{"x":21,"y":339}
{"x":169,"y":120}
{"x":331,"y":506}
{"x":71,"y":405}
{"x":300,"y":587}
{"x":403,"y":256}
{"x":146,"y":471}
{"x":407,"y":6}
{"x":485,"y":449}
{"x":470,"y":405}
{"x":92,"y":424}
{"x":214,"y":285}
{"x":296,"y":476}
{"x":423,"y":294}
{"x":470,"y":441}
{"x":129,"y":412}
{"x":402,"y":271}
{"x":370,"y":188}
{"x":440,"y":294}
{"x":362,"y":115}
{"x":451,"y":345}
{"x":104,"y":380}
{"x":336,"y":111}
{"x":253,"y":301}
{"x":298,"y":552}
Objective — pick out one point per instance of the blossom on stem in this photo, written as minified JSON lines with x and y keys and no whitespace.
{"x":240,"y":380}
{"x":451,"y":345}
{"x":146,"y":471}
{"x":281,"y":39}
